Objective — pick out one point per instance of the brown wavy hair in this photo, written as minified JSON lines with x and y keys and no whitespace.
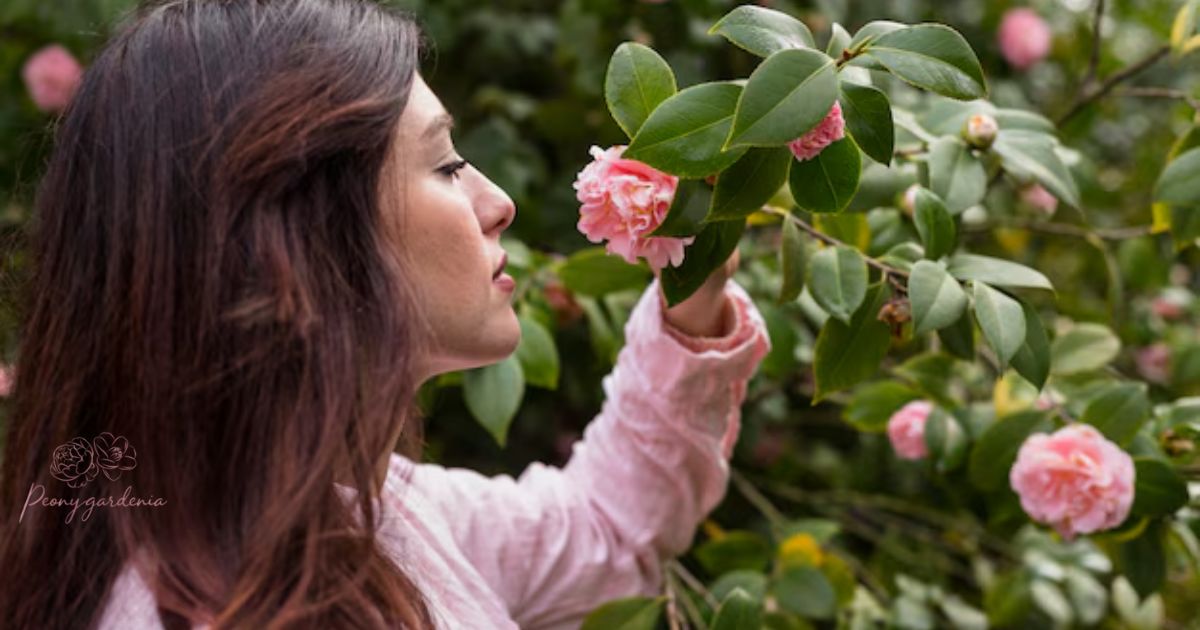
{"x":213,"y":279}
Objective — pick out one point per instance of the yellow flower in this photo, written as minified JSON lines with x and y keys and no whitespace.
{"x":801,"y":550}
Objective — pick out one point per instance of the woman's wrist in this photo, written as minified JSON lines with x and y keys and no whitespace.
{"x":703,"y":314}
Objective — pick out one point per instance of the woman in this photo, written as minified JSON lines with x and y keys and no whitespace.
{"x":254,"y":242}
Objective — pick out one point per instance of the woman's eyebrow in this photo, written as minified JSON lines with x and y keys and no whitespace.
{"x":441,"y":121}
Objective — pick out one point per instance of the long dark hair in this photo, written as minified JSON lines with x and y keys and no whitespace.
{"x":213,"y":280}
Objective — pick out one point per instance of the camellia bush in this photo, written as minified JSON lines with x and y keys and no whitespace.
{"x":980,"y":408}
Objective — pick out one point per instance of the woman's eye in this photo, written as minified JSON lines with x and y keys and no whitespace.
{"x":451,"y":169}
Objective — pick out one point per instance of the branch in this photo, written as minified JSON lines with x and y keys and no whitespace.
{"x":1067,"y":229}
{"x":1160,"y":92}
{"x":1112,"y":81}
{"x":829,"y":240}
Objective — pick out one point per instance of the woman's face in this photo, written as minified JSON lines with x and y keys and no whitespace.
{"x":448,"y":228}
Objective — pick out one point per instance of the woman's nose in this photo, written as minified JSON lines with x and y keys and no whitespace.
{"x":497,"y":210}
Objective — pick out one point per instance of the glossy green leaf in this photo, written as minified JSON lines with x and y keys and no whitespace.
{"x":959,"y":338}
{"x":689,"y":207}
{"x":493,"y":394}
{"x":839,"y":40}
{"x":1178,"y":182}
{"x":1119,"y":411}
{"x":937,"y":299}
{"x":996,"y":272}
{"x":945,"y":440}
{"x":873,"y":30}
{"x":683,"y":136}
{"x":1085,"y":347}
{"x":736,"y":550}
{"x":996,"y":449}
{"x":593,"y":271}
{"x":931,"y":56}
{"x":868,"y":115}
{"x":537,"y":354}
{"x":838,"y":280}
{"x":955,"y":174}
{"x":1001,"y":319}
{"x":1028,"y":154}
{"x":793,"y":262}
{"x":712,"y":247}
{"x":873,"y":405}
{"x":636,"y":82}
{"x":749,"y":183}
{"x":1032,"y":360}
{"x":631,"y":613}
{"x":805,"y":591}
{"x":787,"y":95}
{"x":762,"y":31}
{"x":827,"y":182}
{"x":738,"y":611}
{"x":1159,"y":489}
{"x":847,"y":354}
{"x":934,"y":224}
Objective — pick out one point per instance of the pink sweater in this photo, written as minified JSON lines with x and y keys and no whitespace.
{"x":542,"y":550}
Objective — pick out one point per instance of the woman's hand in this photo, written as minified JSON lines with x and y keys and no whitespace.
{"x":706,"y":312}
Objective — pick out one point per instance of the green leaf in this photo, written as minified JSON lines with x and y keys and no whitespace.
{"x":686,"y":215}
{"x":945,"y":440}
{"x":996,"y":449}
{"x":838,"y":280}
{"x":874,"y":404}
{"x":1159,"y":489}
{"x":847,"y":354}
{"x":839,"y":39}
{"x":787,"y":95}
{"x":934,"y":224}
{"x":931,"y":372}
{"x":738,"y":611}
{"x":873,"y":30}
{"x":934,"y":57}
{"x":712,"y":247}
{"x":1119,"y":411}
{"x":630,"y":613}
{"x":493,"y":394}
{"x":762,"y":31}
{"x":793,"y":262}
{"x":827,"y":182}
{"x":807,"y":592}
{"x":937,"y":299}
{"x":1143,"y":561}
{"x":1032,"y":359}
{"x":955,"y":174}
{"x":1001,"y":319}
{"x":636,"y":82}
{"x":749,"y":183}
{"x":684,"y":135}
{"x":868,"y":115}
{"x":959,"y":338}
{"x":736,"y":550}
{"x":1030,"y":155}
{"x":1083,"y":348}
{"x":1178,"y":182}
{"x":996,"y":272}
{"x":754,"y":583}
{"x":593,"y":271}
{"x":537,"y":354}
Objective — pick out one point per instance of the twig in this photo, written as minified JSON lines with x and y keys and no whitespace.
{"x":756,"y":498}
{"x":1094,"y":63}
{"x":1112,"y":81}
{"x":693,"y":583}
{"x":829,"y":240}
{"x":1160,"y":92}
{"x":1067,"y":229}
{"x":672,"y":610}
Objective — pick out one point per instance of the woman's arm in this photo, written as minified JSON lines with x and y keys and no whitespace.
{"x":555,"y":543}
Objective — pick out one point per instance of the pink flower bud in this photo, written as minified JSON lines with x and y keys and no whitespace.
{"x":6,"y":381}
{"x":980,"y":130}
{"x":1039,"y":198}
{"x":51,"y":75}
{"x":1154,"y":363}
{"x":1024,"y":37}
{"x":831,"y":129}
{"x":906,"y":429}
{"x":1074,"y":480}
{"x":623,"y":201}
{"x":908,"y":201}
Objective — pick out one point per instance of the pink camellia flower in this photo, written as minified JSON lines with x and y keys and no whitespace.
{"x":1154,"y":362}
{"x":831,"y":129}
{"x":906,"y":429}
{"x":623,"y":201}
{"x":51,"y":75}
{"x":1074,"y":480}
{"x":1039,"y":198}
{"x":1024,"y":37}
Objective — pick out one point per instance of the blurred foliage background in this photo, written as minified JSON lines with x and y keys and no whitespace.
{"x":525,"y":80}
